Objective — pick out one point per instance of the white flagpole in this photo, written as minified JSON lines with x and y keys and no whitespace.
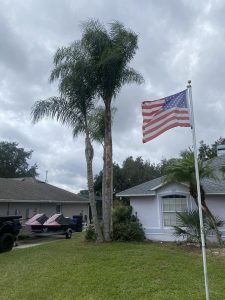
{"x":198,"y":190}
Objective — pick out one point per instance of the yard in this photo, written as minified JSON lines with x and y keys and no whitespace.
{"x":74,"y":269}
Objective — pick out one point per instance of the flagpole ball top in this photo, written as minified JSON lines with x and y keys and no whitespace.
{"x":189,"y":83}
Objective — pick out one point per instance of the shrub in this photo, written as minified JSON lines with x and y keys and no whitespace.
{"x":90,"y":234}
{"x":189,"y":226}
{"x":126,"y":227}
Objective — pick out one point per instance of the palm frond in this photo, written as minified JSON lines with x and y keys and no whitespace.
{"x":129,"y":75}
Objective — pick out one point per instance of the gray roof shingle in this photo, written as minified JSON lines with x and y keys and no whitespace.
{"x":31,"y":189}
{"x":210,"y":186}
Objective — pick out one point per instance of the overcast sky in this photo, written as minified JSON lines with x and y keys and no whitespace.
{"x":178,"y":40}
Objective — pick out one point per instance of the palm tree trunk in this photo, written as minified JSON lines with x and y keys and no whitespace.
{"x":103,"y":188}
{"x":108,"y":172}
{"x":206,"y":210}
{"x":89,"y":153}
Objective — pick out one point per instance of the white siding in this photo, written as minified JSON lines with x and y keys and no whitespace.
{"x":3,"y":209}
{"x":216,"y":205}
{"x":68,"y":209}
{"x":149,"y":211}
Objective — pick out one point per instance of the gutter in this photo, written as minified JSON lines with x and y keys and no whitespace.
{"x":41,"y":201}
{"x":134,"y":195}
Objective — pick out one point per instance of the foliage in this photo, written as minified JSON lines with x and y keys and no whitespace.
{"x":110,"y":52}
{"x":132,"y":172}
{"x":97,"y":119}
{"x":13,"y":161}
{"x":189,"y":225}
{"x":90,"y":234}
{"x":209,"y":151}
{"x":126,"y":227}
{"x":183,"y":169}
{"x":75,"y":107}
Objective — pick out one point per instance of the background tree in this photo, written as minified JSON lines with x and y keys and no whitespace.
{"x":75,"y":107}
{"x":110,"y":53}
{"x":14,"y":161}
{"x":209,"y":151}
{"x":131,"y":173}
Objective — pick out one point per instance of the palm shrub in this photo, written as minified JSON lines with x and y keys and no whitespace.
{"x":90,"y":234}
{"x":189,"y":226}
{"x":126,"y":226}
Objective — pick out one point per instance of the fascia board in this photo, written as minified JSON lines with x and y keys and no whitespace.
{"x":134,"y":195}
{"x":41,"y":201}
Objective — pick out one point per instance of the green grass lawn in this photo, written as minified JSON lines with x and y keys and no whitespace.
{"x":74,"y":269}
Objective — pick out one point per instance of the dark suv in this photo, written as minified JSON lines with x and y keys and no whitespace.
{"x":9,"y":229}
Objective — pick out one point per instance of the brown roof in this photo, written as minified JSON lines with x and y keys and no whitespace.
{"x":31,"y":189}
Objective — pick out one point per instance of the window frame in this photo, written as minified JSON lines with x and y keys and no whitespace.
{"x":182,"y":195}
{"x":60,"y":210}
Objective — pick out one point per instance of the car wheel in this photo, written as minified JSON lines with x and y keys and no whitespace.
{"x":69,"y":234}
{"x":6,"y":242}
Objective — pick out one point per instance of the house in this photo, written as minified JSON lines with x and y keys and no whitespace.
{"x":156,"y":203}
{"x":28,"y":196}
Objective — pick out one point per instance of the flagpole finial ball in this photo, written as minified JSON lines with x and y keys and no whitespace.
{"x":189,"y":83}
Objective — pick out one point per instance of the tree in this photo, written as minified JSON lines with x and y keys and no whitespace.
{"x":13,"y":161}
{"x":110,"y":53}
{"x":209,"y":151}
{"x":131,"y":173}
{"x":183,"y":170}
{"x":75,"y":107}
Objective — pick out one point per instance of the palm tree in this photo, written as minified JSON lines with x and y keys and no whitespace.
{"x":74,"y":108}
{"x":189,"y":225}
{"x":110,"y":53}
{"x":183,"y":170}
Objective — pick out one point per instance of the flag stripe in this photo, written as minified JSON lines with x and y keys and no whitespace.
{"x":152,"y":132}
{"x":163,"y":122}
{"x":152,"y":113}
{"x":150,"y":103}
{"x":149,"y":138}
{"x":164,"y":114}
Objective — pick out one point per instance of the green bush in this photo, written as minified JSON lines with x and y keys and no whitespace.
{"x":90,"y":234}
{"x":126,"y":227}
{"x":189,"y":226}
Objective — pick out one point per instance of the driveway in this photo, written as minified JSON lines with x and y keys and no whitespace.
{"x":37,"y":241}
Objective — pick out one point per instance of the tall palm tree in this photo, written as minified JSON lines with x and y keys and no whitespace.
{"x":183,"y":170}
{"x":74,"y":108}
{"x":110,"y":53}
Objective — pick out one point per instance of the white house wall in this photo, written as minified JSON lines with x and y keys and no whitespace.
{"x":216,"y":205}
{"x":146,"y":209}
{"x":149,"y":211}
{"x":68,"y":209}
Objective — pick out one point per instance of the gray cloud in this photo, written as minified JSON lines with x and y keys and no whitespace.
{"x":178,"y":40}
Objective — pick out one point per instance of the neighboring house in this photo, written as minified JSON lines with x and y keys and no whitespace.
{"x":156,"y":203}
{"x":28,"y":196}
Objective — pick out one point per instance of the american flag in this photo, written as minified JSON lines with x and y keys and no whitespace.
{"x":164,"y":114}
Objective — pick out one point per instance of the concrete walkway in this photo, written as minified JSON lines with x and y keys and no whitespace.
{"x":37,"y":241}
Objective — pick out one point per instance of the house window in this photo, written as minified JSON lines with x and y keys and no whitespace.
{"x":172,"y":204}
{"x":27,"y":213}
{"x":17,"y":212}
{"x":58,"y":208}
